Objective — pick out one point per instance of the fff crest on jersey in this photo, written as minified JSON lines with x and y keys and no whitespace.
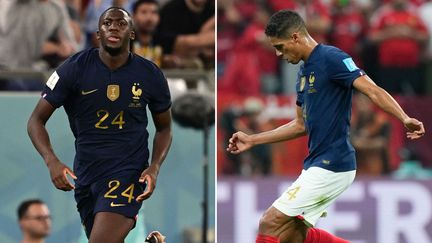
{"x":136,"y":91}
{"x":113,"y":92}
{"x":302,"y":83}
{"x":311,"y":79}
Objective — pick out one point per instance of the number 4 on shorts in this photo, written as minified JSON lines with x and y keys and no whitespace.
{"x":292,"y":193}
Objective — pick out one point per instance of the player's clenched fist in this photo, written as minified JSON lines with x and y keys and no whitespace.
{"x":149,"y":177}
{"x":415,"y":128}
{"x":239,"y":142}
{"x":58,"y":172}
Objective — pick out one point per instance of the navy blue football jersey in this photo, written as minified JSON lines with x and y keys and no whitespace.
{"x":324,"y":92}
{"x":107,"y":111}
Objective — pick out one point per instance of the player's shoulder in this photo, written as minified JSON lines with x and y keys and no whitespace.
{"x":81,"y":58}
{"x":332,"y":55}
{"x":145,"y":64}
{"x":331,"y":51}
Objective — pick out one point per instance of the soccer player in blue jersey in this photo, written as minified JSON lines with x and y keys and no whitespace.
{"x":325,"y":85}
{"x":105,"y":93}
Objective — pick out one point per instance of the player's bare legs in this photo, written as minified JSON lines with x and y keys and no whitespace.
{"x":110,"y":228}
{"x":287,"y":229}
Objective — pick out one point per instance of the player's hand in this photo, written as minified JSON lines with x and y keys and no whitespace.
{"x":415,"y":128}
{"x":158,"y":235}
{"x":58,"y":172}
{"x":239,"y":142}
{"x":149,"y":177}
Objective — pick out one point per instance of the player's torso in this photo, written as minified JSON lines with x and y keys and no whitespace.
{"x":107,"y":102}
{"x":321,"y":97}
{"x":326,"y":112}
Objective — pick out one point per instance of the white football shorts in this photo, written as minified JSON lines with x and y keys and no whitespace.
{"x":310,"y":195}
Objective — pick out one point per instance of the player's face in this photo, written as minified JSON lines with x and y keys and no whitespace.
{"x":115,"y":31}
{"x":37,"y":221}
{"x":287,"y":49}
{"x":146,"y":17}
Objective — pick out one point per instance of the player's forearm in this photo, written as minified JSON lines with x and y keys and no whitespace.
{"x":386,"y":102}
{"x":161,"y":145}
{"x":40,"y":139}
{"x":291,"y":130}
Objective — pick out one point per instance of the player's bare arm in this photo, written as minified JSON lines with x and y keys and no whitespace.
{"x":240,"y":141}
{"x":40,"y":139}
{"x":161,"y":144}
{"x":386,"y":102}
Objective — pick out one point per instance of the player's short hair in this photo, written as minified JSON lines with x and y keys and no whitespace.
{"x":138,"y":3}
{"x":283,"y":23}
{"x":117,"y":8}
{"x":24,"y":206}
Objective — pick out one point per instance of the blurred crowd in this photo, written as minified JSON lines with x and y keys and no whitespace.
{"x":40,"y":34}
{"x":389,"y":39}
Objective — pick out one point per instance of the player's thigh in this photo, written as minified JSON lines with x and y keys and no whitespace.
{"x":310,"y":195}
{"x":275,"y":223}
{"x":110,"y":227}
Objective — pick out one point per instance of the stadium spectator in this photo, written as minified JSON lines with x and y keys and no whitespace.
{"x":187,"y":30}
{"x":146,"y":19}
{"x":233,"y":17}
{"x":425,"y":13}
{"x":252,"y":50}
{"x":400,"y":34}
{"x":27,"y":39}
{"x":370,"y":134}
{"x":249,"y":118}
{"x":34,"y":220}
{"x":348,"y":28}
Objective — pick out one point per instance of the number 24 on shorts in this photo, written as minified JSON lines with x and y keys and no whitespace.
{"x":113,"y":185}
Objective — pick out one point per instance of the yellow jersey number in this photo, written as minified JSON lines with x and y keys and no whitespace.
{"x":113,"y":185}
{"x":118,"y":120}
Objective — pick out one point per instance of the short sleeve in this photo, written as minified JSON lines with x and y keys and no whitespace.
{"x":342,"y":69}
{"x":60,"y":84}
{"x":160,"y":100}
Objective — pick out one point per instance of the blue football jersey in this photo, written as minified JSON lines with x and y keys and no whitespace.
{"x":324,"y":92}
{"x":107,"y":111}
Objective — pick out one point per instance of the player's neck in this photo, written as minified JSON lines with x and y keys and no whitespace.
{"x":309,"y":45}
{"x":113,"y":62}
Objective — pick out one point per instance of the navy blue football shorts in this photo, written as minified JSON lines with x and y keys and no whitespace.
{"x":117,"y":195}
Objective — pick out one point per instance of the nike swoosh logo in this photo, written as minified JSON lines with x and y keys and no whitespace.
{"x":117,"y":205}
{"x":88,"y":92}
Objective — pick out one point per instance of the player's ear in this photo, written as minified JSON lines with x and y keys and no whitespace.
{"x":132,"y":35}
{"x":295,"y":36}
{"x":97,"y":35}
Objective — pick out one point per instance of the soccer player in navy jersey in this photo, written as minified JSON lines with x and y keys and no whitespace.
{"x":105,"y":93}
{"x":324,"y":92}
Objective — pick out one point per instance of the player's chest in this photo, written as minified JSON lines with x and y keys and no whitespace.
{"x":312,"y":83}
{"x":112,"y":90}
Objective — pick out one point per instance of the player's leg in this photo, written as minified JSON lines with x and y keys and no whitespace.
{"x":280,"y":226}
{"x":302,"y":204}
{"x":110,"y":228}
